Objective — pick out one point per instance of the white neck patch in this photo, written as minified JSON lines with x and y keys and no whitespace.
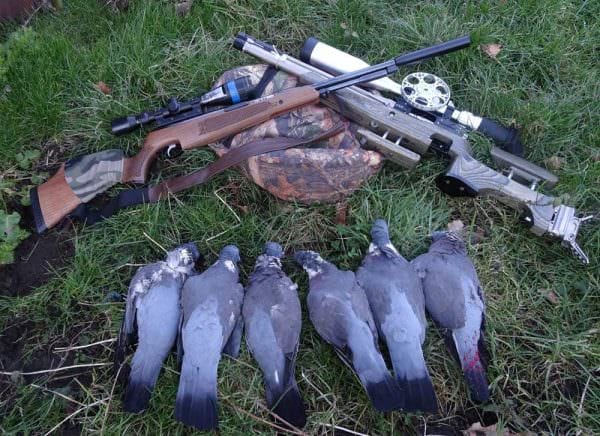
{"x":374,"y":249}
{"x":313,"y":272}
{"x":391,"y":247}
{"x":229,"y":265}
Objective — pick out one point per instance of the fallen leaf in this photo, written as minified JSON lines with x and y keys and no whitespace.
{"x":551,"y":296}
{"x":103,"y":88}
{"x":341,"y":213}
{"x":554,"y":162}
{"x":354,"y":35}
{"x":491,"y":50}
{"x":456,"y":226}
{"x":343,"y":26}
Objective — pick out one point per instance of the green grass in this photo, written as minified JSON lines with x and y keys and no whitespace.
{"x":545,"y":361}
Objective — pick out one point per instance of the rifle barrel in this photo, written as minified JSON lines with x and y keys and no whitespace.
{"x":389,"y":67}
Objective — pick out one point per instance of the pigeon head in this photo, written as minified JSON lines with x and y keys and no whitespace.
{"x":271,"y":257}
{"x":230,"y":252}
{"x":273,"y":249}
{"x":311,"y":261}
{"x":447,"y":242}
{"x":381,"y":244}
{"x":380,"y":233}
{"x":438,"y":235}
{"x":183,"y":257}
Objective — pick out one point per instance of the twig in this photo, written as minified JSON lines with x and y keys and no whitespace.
{"x":57,"y":394}
{"x":32,"y":251}
{"x":270,"y":412}
{"x":338,"y":427}
{"x":264,"y":421}
{"x":231,"y":210}
{"x":112,"y":390}
{"x":152,"y":240}
{"x":80,"y":347}
{"x":64,"y":368}
{"x":77,"y":412}
{"x":316,"y":389}
{"x":587,"y":384}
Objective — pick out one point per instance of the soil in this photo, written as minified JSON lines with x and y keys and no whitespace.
{"x":35,"y":258}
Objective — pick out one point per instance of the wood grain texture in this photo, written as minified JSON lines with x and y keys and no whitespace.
{"x":56,"y":199}
{"x":215,"y":126}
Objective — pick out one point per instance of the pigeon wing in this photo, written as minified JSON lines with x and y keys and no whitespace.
{"x":443,"y":289}
{"x":232,"y":347}
{"x":139,"y":285}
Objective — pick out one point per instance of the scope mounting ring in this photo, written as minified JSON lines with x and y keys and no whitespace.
{"x":425,"y":91}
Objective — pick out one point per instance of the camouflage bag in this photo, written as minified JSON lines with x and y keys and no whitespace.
{"x":326,"y":171}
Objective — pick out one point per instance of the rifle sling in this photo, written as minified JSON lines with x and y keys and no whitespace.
{"x":152,"y":194}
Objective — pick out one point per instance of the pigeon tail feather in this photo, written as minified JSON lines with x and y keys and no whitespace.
{"x":476,"y":378}
{"x":142,"y":379}
{"x":137,"y":396}
{"x":287,"y":404}
{"x":412,"y":375}
{"x":473,"y":368}
{"x":199,"y":412}
{"x":382,"y":388}
{"x":419,"y":394}
{"x":385,"y":394}
{"x":196,"y":402}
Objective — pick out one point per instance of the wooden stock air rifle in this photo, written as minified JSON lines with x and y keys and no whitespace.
{"x":403,"y":135}
{"x":81,"y":179}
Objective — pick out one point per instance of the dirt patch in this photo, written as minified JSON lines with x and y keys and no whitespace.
{"x":21,"y":352}
{"x":36,"y":258}
{"x":462,"y":421}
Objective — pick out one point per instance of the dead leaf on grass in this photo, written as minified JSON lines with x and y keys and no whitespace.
{"x":554,"y":162}
{"x":103,"y":88}
{"x":551,"y":296}
{"x":492,"y":50}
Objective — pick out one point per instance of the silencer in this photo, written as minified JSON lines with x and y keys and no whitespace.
{"x":334,"y":61}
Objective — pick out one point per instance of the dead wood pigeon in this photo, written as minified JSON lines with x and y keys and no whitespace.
{"x":339,"y":310}
{"x":272,"y":318}
{"x":152,"y":313}
{"x":454,"y":299}
{"x":210,"y":324}
{"x":395,"y":296}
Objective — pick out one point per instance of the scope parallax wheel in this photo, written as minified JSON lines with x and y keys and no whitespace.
{"x":425,"y":91}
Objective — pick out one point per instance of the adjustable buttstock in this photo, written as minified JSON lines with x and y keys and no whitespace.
{"x":52,"y":201}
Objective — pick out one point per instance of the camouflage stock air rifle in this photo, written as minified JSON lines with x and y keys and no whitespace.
{"x":423,"y":119}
